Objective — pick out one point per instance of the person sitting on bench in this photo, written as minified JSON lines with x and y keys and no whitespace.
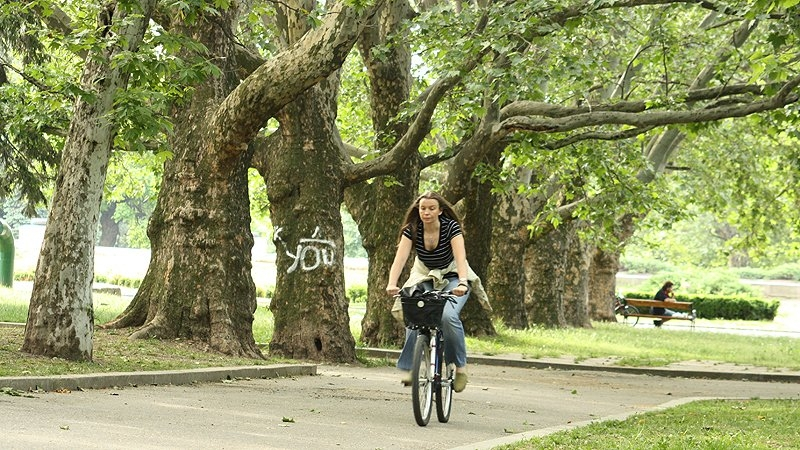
{"x":665,"y":294}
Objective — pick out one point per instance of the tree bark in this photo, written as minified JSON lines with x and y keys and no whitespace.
{"x":199,"y":284}
{"x":478,"y":205}
{"x":61,"y":313}
{"x":109,"y":228}
{"x":545,"y":271}
{"x":379,"y":211}
{"x":305,"y":186}
{"x":305,"y":189}
{"x":603,"y":285}
{"x":505,"y":282}
{"x":603,"y":273}
{"x":576,"y":281}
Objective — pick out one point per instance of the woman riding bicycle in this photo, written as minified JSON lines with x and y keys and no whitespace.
{"x":432,"y":228}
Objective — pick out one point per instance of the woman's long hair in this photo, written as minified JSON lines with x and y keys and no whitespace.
{"x":412,"y":218}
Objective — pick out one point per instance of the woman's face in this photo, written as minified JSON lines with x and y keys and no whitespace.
{"x":429,"y":210}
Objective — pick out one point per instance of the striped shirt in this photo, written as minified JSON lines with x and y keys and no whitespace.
{"x":442,"y":255}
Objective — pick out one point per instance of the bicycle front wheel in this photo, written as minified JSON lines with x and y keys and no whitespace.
{"x":422,"y":380}
{"x":444,"y":388}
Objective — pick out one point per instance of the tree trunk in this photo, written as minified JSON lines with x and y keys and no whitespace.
{"x":199,"y":284}
{"x":61,"y":313}
{"x":378,"y":210}
{"x":576,"y":281}
{"x":505,"y":282}
{"x":545,"y":271}
{"x":603,"y":274}
{"x":305,"y":189}
{"x":109,"y":228}
{"x":478,"y":205}
{"x":603,"y":285}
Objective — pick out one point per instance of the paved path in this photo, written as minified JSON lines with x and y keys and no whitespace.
{"x":348,"y":407}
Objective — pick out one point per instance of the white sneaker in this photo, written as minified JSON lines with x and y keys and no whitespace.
{"x":406,"y":378}
{"x":460,"y":381}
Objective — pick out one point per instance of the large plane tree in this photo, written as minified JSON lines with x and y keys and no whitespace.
{"x":199,"y":283}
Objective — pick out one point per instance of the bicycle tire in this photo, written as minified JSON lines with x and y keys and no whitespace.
{"x":624,"y":315}
{"x":444,"y":388}
{"x":422,"y":380}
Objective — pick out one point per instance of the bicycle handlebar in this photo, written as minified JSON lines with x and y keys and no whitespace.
{"x":448,"y":294}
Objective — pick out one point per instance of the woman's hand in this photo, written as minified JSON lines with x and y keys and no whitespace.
{"x":392,"y":290}
{"x":459,"y":290}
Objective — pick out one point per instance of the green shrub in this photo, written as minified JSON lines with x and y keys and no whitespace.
{"x":782,"y":272}
{"x":24,"y":276}
{"x":728,"y":307}
{"x":357,"y":294}
{"x":118,"y":280}
{"x":633,"y":264}
{"x":785,"y":272}
{"x":720,"y":283}
{"x":265,"y":292}
{"x":750,"y":273}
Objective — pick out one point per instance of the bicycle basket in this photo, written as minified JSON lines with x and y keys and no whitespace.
{"x":423,"y":310}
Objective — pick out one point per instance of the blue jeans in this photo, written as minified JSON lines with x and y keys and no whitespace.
{"x":455,"y":347}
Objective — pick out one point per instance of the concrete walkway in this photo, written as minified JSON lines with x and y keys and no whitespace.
{"x":335,"y":406}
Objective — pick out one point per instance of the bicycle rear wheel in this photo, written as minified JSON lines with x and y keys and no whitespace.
{"x":444,"y":388}
{"x":422,"y":380}
{"x":624,"y":315}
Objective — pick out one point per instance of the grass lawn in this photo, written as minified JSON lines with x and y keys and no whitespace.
{"x":638,"y":346}
{"x":708,"y":425}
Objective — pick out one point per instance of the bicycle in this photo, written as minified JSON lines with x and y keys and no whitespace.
{"x":624,"y":312}
{"x":431,"y":380}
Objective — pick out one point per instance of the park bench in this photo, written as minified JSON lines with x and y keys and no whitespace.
{"x":643,"y":307}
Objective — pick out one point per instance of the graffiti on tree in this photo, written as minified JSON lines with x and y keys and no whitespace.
{"x":310,"y":253}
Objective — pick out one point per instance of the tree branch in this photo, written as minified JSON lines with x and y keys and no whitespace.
{"x":597,"y":136}
{"x":564,"y":123}
{"x":409,"y":142}
{"x":243,"y":113}
{"x":529,"y":108}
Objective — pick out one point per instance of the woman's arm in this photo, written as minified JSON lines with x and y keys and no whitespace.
{"x":460,"y":255}
{"x":400,"y":258}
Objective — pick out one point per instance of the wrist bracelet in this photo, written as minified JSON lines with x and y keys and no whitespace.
{"x":462,"y":283}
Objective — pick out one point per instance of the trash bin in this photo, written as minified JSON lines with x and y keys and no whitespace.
{"x":6,"y":255}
